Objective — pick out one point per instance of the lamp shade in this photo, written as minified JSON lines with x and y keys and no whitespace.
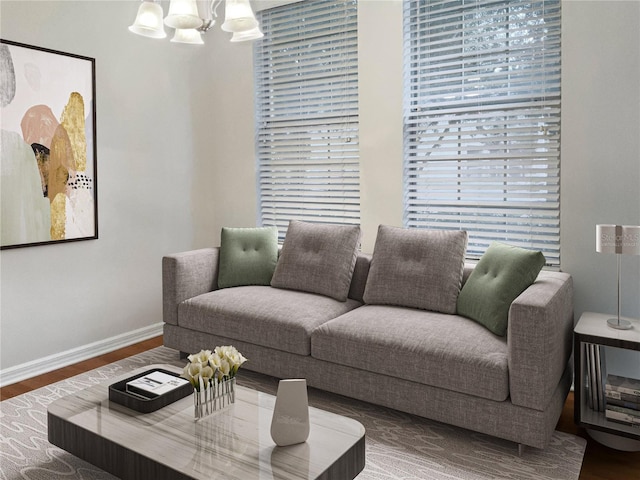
{"x":238,"y":17}
{"x":183,"y":14}
{"x":252,"y":34}
{"x":621,"y":239}
{"x":188,"y":35}
{"x":148,"y":22}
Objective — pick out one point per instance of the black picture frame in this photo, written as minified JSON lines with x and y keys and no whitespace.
{"x":49,"y":137}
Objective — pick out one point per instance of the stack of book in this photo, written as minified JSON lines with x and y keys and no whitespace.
{"x":622,"y":396}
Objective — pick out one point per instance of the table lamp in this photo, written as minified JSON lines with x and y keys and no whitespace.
{"x":621,"y":240}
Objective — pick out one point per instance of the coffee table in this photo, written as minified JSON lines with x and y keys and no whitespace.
{"x":232,"y":443}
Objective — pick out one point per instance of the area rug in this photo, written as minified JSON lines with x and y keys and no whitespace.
{"x":399,"y":446}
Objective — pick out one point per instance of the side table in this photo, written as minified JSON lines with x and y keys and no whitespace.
{"x":592,"y":329}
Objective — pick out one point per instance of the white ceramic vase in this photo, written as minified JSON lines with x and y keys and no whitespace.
{"x":290,"y":422}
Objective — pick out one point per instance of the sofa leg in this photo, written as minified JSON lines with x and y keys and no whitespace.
{"x":521,"y":448}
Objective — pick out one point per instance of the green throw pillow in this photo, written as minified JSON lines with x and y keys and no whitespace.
{"x":248,"y":256}
{"x":503,"y":273}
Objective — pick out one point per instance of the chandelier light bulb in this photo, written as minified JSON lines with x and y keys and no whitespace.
{"x":249,"y":35}
{"x":183,"y":14}
{"x":187,"y":35}
{"x":148,"y":21}
{"x":238,"y":17}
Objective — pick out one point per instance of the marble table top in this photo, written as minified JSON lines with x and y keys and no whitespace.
{"x":232,"y":443}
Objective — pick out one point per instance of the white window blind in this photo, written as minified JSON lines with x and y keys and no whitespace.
{"x":482,"y":121}
{"x":306,"y":78}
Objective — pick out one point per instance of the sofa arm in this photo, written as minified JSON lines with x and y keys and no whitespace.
{"x":539,"y":338}
{"x":186,"y":275}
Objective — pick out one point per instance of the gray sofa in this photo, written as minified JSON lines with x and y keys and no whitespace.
{"x":437,"y":365}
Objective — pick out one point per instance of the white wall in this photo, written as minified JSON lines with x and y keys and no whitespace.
{"x":155,"y":112}
{"x":600,"y":164}
{"x":380,"y":85}
{"x":176,"y":161}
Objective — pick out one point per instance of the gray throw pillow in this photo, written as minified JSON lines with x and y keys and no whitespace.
{"x":502,"y":273}
{"x":416,"y":268}
{"x":318,"y":258}
{"x":248,"y":256}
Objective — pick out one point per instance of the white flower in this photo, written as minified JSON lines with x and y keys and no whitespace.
{"x":234,"y":358}
{"x":207,"y":373}
{"x":214,"y":361}
{"x":192,"y":373}
{"x":205,"y":365}
{"x":186,"y":373}
{"x":194,"y":369}
{"x":201,"y":357}
{"x":221,"y":351}
{"x":224,"y":368}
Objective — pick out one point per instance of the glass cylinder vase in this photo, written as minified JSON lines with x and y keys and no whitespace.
{"x":214,"y":395}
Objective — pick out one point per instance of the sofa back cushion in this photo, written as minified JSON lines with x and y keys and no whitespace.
{"x":318,"y":258}
{"x":416,"y":268}
{"x":248,"y":256}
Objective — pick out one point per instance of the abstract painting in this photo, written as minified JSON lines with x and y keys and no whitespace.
{"x":48,"y":177}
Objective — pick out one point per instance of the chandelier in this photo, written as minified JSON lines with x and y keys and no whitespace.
{"x":190,"y":23}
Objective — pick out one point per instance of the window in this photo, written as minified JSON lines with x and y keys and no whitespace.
{"x":306,"y":79}
{"x":482,"y":121}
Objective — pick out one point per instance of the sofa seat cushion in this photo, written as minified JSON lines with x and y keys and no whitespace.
{"x":440,"y":350}
{"x":265,"y":316}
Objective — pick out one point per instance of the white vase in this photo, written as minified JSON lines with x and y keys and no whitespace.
{"x":290,"y":422}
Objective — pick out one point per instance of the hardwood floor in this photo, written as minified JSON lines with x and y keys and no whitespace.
{"x":78,"y":368}
{"x":600,"y":462}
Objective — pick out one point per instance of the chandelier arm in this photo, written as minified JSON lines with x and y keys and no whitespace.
{"x":208,"y":23}
{"x":214,"y":7}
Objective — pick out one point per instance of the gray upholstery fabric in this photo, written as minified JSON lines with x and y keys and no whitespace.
{"x":440,"y":350}
{"x":466,"y":272}
{"x":501,"y":419}
{"x":538,"y":342}
{"x":540,"y":337}
{"x":185,"y":275}
{"x":359,"y":277}
{"x":280,"y":319}
{"x":416,"y":268}
{"x":318,"y":258}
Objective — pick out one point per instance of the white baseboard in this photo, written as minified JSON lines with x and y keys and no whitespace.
{"x":53,"y":362}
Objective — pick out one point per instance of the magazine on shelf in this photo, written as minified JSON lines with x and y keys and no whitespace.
{"x":593,"y":382}
{"x":623,"y":397}
{"x":622,"y":403}
{"x":599,"y":359}
{"x":587,"y":378}
{"x":629,"y":386}
{"x":595,"y":376}
{"x":623,"y":415}
{"x":154,"y":384}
